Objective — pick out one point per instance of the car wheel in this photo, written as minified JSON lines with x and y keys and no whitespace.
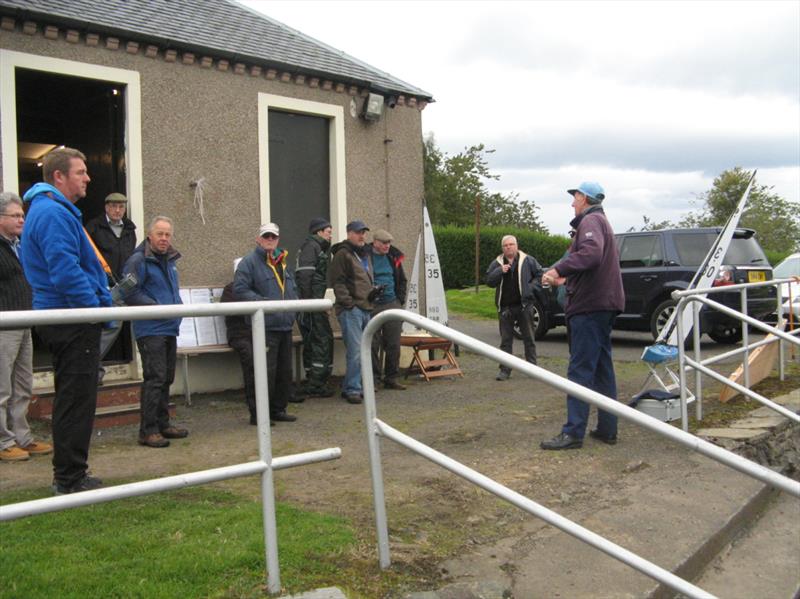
{"x":726,"y":335}
{"x":539,"y":323}
{"x":660,"y":317}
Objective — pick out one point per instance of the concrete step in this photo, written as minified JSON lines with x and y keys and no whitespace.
{"x":764,"y":560}
{"x":117,"y":415}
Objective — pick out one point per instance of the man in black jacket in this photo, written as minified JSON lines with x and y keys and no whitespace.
{"x":113,"y":233}
{"x":311,"y":275}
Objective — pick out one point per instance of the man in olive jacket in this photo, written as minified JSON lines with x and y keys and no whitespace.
{"x":352,"y":278}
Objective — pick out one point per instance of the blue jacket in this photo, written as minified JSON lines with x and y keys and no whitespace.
{"x":254,"y":281}
{"x":59,"y":260}
{"x":156,"y":285}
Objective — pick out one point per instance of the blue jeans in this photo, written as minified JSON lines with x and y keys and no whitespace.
{"x":590,"y":365}
{"x":353,"y":323}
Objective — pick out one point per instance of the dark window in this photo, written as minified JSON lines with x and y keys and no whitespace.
{"x":693,"y":247}
{"x":640,"y":251}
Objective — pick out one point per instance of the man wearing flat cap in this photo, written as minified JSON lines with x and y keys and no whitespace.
{"x":311,"y":273}
{"x":262,"y":275}
{"x":352,"y":277}
{"x":114,"y":233}
{"x":594,"y":298}
{"x":387,"y":262}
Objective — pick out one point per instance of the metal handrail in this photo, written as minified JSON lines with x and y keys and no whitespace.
{"x":265,"y":465}
{"x":377,"y":428}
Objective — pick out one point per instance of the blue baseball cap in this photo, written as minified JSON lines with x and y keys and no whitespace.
{"x":357,"y":226}
{"x":592,"y":190}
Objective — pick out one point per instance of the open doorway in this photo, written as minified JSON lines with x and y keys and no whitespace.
{"x":53,"y":109}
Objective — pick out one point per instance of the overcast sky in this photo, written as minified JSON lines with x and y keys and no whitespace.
{"x":651,"y":99}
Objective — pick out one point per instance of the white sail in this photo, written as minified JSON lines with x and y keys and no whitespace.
{"x":412,"y":297}
{"x":707,"y":272}
{"x":434,"y":287}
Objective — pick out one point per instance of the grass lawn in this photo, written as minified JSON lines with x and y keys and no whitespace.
{"x":199,"y":542}
{"x":467,"y":302}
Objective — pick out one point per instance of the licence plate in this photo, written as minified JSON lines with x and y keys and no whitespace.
{"x":756,"y":276}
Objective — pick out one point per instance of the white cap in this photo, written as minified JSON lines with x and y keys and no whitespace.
{"x":269,"y":228}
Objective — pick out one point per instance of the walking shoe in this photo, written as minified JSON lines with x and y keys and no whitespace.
{"x":354,"y":398}
{"x":283,"y":417}
{"x":299,"y":397}
{"x":317,"y":391}
{"x":153,"y":440}
{"x":172,"y":432}
{"x":595,"y":434}
{"x":87,"y":483}
{"x":14,"y":454}
{"x":562,"y":441}
{"x":394,"y":385}
{"x":38,"y":448}
{"x":503,"y":375}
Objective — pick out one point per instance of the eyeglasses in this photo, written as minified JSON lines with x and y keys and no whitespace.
{"x":17,"y":215}
{"x":269,"y":236}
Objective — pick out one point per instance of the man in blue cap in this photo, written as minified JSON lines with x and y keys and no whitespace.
{"x":595,"y":296}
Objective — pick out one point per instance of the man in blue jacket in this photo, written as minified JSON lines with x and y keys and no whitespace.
{"x":262,"y":275}
{"x":153,"y":265}
{"x":594,"y":298}
{"x":64,"y":272}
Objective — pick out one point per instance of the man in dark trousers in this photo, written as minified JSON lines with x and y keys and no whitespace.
{"x":240,"y":338}
{"x":594,"y":298}
{"x":514,"y":274}
{"x":64,"y":272}
{"x":262,"y":275}
{"x":312,"y":281}
{"x":153,"y":266}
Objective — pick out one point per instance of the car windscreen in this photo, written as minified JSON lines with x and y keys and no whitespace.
{"x":693,"y":247}
{"x":788,"y":268}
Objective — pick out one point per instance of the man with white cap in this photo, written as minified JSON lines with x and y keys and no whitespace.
{"x":262,"y":275}
{"x":594,"y":298}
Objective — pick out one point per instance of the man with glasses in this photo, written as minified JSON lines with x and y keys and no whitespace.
{"x":64,"y":272}
{"x":16,"y":346}
{"x":262,"y":275}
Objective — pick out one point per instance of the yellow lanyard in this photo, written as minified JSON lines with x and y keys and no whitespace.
{"x":277,"y":278}
{"x":102,"y":260}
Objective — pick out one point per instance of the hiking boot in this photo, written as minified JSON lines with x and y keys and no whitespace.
{"x":87,"y":483}
{"x":14,"y":454}
{"x":299,"y":397}
{"x":503,"y":375}
{"x":153,"y":440}
{"x":394,"y":385}
{"x":562,"y":441}
{"x":38,"y":448}
{"x":595,"y":434}
{"x":172,"y":432}
{"x":354,"y":398}
{"x":317,"y":391}
{"x":283,"y":417}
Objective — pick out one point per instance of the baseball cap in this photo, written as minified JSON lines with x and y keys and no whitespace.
{"x":116,"y":197}
{"x":357,"y":225}
{"x":592,"y":190}
{"x":318,"y":224}
{"x":269,"y":228}
{"x":383,"y":236}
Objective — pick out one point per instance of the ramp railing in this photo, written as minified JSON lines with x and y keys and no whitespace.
{"x":377,"y":428}
{"x":264,"y":466}
{"x":694,"y":299}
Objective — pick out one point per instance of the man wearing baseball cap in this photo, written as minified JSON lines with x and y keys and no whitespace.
{"x":352,"y":277}
{"x":595,"y":296}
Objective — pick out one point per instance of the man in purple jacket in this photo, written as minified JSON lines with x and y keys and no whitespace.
{"x":594,"y":298}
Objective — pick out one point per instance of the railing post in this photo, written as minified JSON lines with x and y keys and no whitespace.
{"x":698,"y":378}
{"x":265,"y":452}
{"x":682,"y":364}
{"x":745,"y":340}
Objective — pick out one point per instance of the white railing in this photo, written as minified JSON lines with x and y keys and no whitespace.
{"x":376,"y":429}
{"x":694,"y":299}
{"x":264,"y":466}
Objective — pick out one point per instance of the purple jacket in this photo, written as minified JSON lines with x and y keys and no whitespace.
{"x":594,"y":282}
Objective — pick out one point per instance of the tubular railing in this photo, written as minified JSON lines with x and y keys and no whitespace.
{"x":695,"y":299}
{"x":264,"y":466}
{"x":376,"y":428}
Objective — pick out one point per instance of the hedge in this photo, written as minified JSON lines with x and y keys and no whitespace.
{"x":456,"y":247}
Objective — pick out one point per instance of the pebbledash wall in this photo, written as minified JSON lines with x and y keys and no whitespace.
{"x":190,"y":116}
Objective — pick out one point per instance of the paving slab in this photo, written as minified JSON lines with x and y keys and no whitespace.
{"x":326,"y":593}
{"x":739,"y":434}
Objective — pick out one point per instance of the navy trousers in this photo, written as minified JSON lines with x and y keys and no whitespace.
{"x":590,"y":365}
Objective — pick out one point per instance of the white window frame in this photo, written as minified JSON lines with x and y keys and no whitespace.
{"x":336,"y":153}
{"x":10,"y":61}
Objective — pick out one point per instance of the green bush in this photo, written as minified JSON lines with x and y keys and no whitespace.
{"x":773,"y":256}
{"x":456,"y":247}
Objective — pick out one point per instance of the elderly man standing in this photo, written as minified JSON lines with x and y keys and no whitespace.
{"x":351,"y":277}
{"x":262,"y":275}
{"x":312,"y":282}
{"x":514,"y":274}
{"x":153,"y":266}
{"x":16,"y":347}
{"x":64,"y":272}
{"x":390,"y":279}
{"x":594,"y":298}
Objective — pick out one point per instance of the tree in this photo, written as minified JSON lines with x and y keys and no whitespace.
{"x":650,"y":225}
{"x":775,"y":219}
{"x":453,"y":183}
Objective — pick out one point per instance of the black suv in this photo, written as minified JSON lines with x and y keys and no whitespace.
{"x":656,"y":263}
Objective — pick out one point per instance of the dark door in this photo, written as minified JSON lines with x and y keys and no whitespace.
{"x":641,"y":260}
{"x":299,"y":182}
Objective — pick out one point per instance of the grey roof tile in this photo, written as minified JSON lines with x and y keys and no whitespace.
{"x":220,"y":27}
